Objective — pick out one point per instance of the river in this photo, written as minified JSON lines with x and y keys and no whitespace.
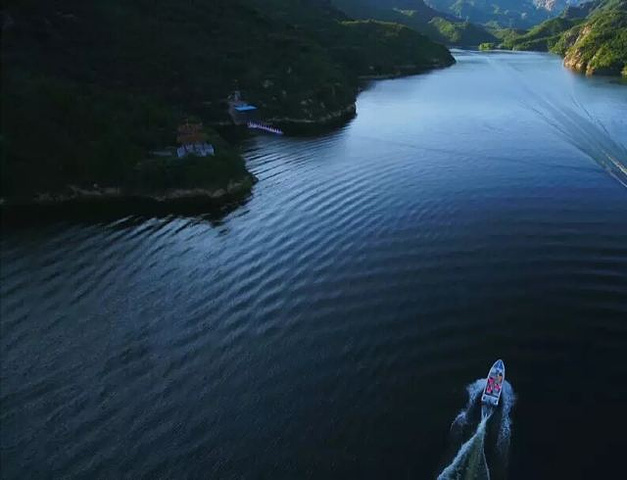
{"x":329,"y":327}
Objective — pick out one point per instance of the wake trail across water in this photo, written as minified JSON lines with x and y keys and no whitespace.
{"x":470,"y":461}
{"x":573,"y":122}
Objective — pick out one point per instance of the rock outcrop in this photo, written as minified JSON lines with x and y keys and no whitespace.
{"x":598,"y":46}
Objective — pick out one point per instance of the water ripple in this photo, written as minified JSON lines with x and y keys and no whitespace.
{"x":372,"y":265}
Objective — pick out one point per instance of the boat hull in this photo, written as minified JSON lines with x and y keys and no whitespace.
{"x":494,"y":384}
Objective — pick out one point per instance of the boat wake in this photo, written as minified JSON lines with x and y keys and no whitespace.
{"x":575,"y":124}
{"x":470,"y":461}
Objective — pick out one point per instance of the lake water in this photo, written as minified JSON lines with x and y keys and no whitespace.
{"x":329,"y":327}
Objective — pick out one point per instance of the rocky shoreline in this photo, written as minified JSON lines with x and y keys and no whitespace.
{"x":338,"y":115}
{"x":575,"y":63}
{"x":214,"y":197}
{"x":577,"y":60}
{"x":129,"y":199}
{"x":73,"y":194}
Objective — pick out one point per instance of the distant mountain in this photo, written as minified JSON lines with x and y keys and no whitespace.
{"x":556,"y":6}
{"x":416,"y":8}
{"x":503,"y":13}
{"x":415,"y":13}
{"x":439,"y":26}
{"x":580,"y":11}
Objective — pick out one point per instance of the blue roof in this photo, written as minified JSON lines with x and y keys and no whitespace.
{"x":245,"y":108}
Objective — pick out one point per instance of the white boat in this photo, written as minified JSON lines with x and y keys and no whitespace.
{"x":494,"y":384}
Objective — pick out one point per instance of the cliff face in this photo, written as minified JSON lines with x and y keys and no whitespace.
{"x":598,"y":46}
{"x":591,"y":38}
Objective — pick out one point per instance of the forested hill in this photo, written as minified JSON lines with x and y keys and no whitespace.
{"x":366,"y":48}
{"x":592,"y":38}
{"x":503,"y":13}
{"x":188,"y":54}
{"x":90,"y":86}
{"x":599,"y":44}
{"x":441,"y":27}
{"x":194,"y":53}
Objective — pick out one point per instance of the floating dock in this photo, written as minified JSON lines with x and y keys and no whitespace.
{"x":265,"y":128}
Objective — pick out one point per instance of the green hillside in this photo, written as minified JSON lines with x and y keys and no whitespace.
{"x":598,"y":46}
{"x":592,"y":38}
{"x":502,"y":13}
{"x":438,"y":26}
{"x":369,"y":47}
{"x":90,"y":88}
{"x":461,"y":33}
{"x":542,"y":37}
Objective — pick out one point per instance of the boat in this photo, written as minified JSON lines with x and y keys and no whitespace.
{"x":494,"y":384}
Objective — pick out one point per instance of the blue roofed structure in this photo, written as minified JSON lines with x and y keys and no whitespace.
{"x":245,"y":108}
{"x":241,"y":112}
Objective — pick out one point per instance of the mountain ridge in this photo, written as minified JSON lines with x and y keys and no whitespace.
{"x":503,"y":13}
{"x":441,"y":27}
{"x":591,"y":37}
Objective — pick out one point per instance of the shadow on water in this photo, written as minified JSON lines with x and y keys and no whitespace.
{"x":96,"y":212}
{"x":480,"y":436}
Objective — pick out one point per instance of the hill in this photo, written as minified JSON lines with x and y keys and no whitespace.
{"x":542,"y":37}
{"x":592,"y":38}
{"x":376,"y":46}
{"x":440,"y":27}
{"x":503,"y":13}
{"x":599,"y":44}
{"x":90,"y":88}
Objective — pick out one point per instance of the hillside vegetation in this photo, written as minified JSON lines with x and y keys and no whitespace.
{"x":542,"y":37}
{"x":503,"y":13}
{"x":438,"y":26}
{"x":89,"y":88}
{"x":599,"y":45}
{"x":592,"y":38}
{"x":368,"y":47}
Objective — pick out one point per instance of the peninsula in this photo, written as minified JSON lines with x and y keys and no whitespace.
{"x":94,"y":92}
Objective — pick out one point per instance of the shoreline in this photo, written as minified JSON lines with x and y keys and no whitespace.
{"x":408,"y":72}
{"x":72,"y":197}
{"x":568,"y":63}
{"x":129,"y":201}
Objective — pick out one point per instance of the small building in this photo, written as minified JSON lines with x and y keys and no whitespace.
{"x":198,"y":149}
{"x":193,"y":141}
{"x":240,"y":111}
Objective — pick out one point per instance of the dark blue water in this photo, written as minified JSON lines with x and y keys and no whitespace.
{"x":329,"y":327}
